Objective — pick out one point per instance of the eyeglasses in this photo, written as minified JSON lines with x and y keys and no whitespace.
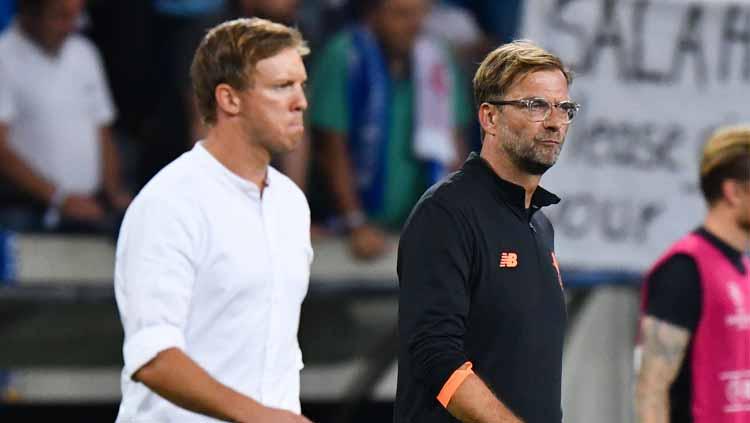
{"x":539,"y":108}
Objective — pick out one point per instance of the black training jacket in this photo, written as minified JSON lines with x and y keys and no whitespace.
{"x":479,"y":282}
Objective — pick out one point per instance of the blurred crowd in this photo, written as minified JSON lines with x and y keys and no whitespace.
{"x":95,"y":98}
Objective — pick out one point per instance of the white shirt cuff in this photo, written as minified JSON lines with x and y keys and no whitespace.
{"x":147,"y":343}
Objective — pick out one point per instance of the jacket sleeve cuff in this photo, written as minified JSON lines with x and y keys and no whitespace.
{"x":147,"y":343}
{"x":453,"y":382}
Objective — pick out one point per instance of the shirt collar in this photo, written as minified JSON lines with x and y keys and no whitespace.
{"x":734,"y":255}
{"x":30,"y":44}
{"x":513,"y":194}
{"x":218,"y":169}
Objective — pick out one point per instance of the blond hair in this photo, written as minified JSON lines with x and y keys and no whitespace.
{"x":726,"y":155}
{"x":723,"y":145}
{"x":507,"y":63}
{"x":229,"y":52}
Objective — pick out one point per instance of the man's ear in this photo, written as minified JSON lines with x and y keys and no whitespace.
{"x":488,"y":116}
{"x":227,"y":99}
{"x":732,"y":191}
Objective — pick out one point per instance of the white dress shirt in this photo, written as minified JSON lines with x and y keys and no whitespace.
{"x":207,"y":265}
{"x":54,"y":107}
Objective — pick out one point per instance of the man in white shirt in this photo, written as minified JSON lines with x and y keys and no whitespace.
{"x":59,"y":160}
{"x":214,"y":254}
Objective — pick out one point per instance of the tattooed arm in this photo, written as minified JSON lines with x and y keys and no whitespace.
{"x":663,"y":348}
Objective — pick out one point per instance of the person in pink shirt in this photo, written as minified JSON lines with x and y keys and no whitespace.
{"x":695,"y":320}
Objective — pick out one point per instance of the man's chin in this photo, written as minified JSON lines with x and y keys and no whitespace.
{"x":535,"y":167}
{"x":288,"y":145}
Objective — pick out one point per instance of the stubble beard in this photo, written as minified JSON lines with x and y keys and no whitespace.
{"x":526,"y":154}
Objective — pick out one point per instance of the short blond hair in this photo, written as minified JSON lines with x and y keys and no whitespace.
{"x":726,"y":155}
{"x":724,"y":145}
{"x":230,"y":50}
{"x":507,"y":63}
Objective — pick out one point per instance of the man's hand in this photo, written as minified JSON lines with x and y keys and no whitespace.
{"x":82,"y":207}
{"x":367,"y":242}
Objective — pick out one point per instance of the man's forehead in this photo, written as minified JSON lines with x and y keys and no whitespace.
{"x":286,"y":59}
{"x":543,"y":82}
{"x":284,"y":64}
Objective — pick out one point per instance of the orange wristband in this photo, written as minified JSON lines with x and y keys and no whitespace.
{"x":451,"y":386}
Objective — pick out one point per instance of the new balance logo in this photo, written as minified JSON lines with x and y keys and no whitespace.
{"x":508,"y":259}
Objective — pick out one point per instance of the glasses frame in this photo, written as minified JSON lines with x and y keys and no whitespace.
{"x":526,"y":102}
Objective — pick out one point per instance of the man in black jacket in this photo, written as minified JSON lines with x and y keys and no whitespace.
{"x":482,"y":311}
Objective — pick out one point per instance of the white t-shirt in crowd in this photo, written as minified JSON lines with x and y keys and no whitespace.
{"x":207,"y":265}
{"x":54,"y":107}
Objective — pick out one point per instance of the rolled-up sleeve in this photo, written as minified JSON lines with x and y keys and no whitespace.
{"x":154,"y":275}
{"x":434,"y":266}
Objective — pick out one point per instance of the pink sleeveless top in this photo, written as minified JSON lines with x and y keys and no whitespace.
{"x":721,"y":343}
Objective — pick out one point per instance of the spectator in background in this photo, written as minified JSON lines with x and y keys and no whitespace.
{"x":60,"y":167}
{"x":387,"y":108}
{"x":695,"y":325}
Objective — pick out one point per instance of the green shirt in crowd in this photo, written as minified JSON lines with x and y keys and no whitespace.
{"x":329,"y":104}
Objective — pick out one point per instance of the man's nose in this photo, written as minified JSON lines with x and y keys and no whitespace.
{"x":300,"y":99}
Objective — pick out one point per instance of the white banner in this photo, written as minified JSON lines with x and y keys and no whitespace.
{"x":655,"y":78}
